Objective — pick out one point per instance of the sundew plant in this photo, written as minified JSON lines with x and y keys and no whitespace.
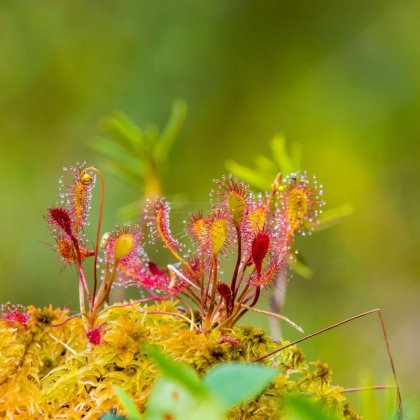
{"x":90,"y":363}
{"x":258,"y":231}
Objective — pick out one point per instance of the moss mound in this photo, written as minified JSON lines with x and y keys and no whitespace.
{"x":51,"y":371}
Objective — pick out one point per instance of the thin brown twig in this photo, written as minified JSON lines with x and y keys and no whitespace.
{"x":390,"y":357}
{"x":368,"y":388}
{"x":274,"y":315}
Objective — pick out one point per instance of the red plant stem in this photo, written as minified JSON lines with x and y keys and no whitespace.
{"x":98,"y":228}
{"x":104,"y":280}
{"x":172,"y":251}
{"x":244,"y":311}
{"x":241,"y":278}
{"x":105,"y":294}
{"x":208,"y":288}
{"x":385,"y":335}
{"x":190,"y":295}
{"x":243,"y":294}
{"x":83,"y":287}
{"x":214,"y":285}
{"x":238,"y":262}
{"x":81,"y":298}
{"x":79,"y":263}
{"x":236,"y":304}
{"x":202,"y":283}
{"x":214,"y":312}
{"x":65,"y":321}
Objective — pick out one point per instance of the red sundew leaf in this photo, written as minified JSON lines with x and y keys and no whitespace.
{"x":124,"y":243}
{"x":301,"y":202}
{"x":270,"y":272}
{"x":233,"y":195}
{"x":94,"y":335}
{"x":15,"y":313}
{"x":157,"y":219}
{"x":154,"y":269}
{"x":220,"y":233}
{"x":260,"y":246}
{"x":60,"y":217}
{"x":146,"y":274}
{"x":198,"y":228}
{"x":76,"y":194}
{"x":65,"y":249}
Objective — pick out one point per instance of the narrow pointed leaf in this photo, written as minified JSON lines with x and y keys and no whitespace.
{"x":249,"y":175}
{"x":299,"y":267}
{"x":333,"y":216}
{"x":172,"y":129}
{"x":125,"y":132}
{"x":113,"y":151}
{"x":266,"y":165}
{"x":281,"y":157}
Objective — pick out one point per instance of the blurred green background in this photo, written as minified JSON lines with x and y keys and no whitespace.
{"x":340,"y":78}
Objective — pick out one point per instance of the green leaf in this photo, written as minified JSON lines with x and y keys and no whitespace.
{"x":128,"y":404}
{"x":368,"y":399}
{"x":301,"y":408}
{"x":114,"y":151}
{"x":234,"y":383}
{"x":129,"y":211}
{"x":281,"y":157}
{"x":296,"y":155}
{"x":249,"y":175}
{"x":299,"y":267}
{"x":170,"y":400}
{"x":172,"y":129}
{"x":127,"y":173}
{"x":333,"y":216}
{"x":390,"y":410}
{"x":177,"y":372}
{"x":125,"y":132}
{"x":151,"y":134}
{"x":266,"y":165}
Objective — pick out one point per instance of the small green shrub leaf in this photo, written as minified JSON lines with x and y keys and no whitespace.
{"x":177,"y":372}
{"x":171,"y":400}
{"x":234,"y":383}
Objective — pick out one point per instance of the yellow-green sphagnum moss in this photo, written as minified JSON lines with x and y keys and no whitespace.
{"x":53,"y":372}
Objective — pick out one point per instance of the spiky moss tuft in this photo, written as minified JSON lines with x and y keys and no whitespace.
{"x":50,"y":372}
